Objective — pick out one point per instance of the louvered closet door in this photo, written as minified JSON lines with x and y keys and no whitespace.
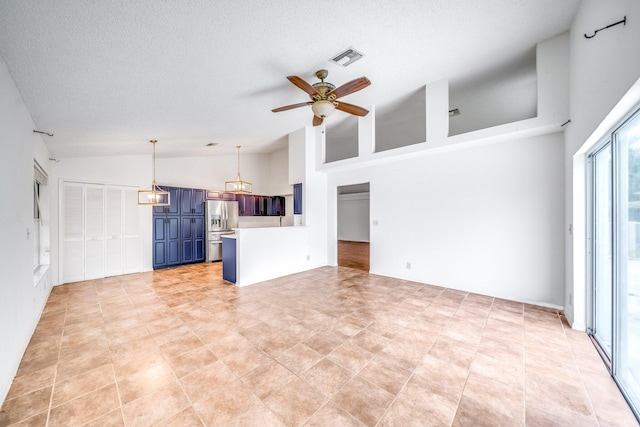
{"x":114,"y":231}
{"x":94,"y":251}
{"x":73,"y":233}
{"x":131,"y":232}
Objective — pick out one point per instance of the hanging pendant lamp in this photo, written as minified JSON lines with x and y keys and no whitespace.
{"x":155,"y":196}
{"x":238,"y":186}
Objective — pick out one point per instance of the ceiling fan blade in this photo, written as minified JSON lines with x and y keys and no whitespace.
{"x":303,"y":85}
{"x":350,"y":87}
{"x":351,"y":109}
{"x":317,"y":121}
{"x":291,"y":107}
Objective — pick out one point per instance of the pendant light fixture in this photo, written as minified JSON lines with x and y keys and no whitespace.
{"x":155,"y":196}
{"x":238,"y":186}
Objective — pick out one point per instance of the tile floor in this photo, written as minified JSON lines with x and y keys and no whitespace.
{"x":328,"y":347}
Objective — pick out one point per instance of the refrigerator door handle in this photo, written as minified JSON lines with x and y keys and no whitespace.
{"x":224,"y":215}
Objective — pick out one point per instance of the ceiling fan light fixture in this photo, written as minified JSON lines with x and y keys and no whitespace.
{"x":323,"y":108}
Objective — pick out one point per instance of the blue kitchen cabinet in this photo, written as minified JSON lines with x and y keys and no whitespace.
{"x":192,"y":201}
{"x":219,"y":195}
{"x":166,"y":241}
{"x":174,"y":199}
{"x":179,"y":229}
{"x":246,"y":204}
{"x":229,"y":259}
{"x":297,"y":199}
{"x":277,"y":206}
{"x":192,"y":239}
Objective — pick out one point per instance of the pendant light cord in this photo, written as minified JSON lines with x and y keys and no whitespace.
{"x":238,"y":147}
{"x":153,"y":141}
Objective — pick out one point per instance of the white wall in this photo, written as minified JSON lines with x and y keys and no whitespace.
{"x":279,"y":173}
{"x":487,"y":219}
{"x":503,"y":97}
{"x":21,"y":301}
{"x":602,"y":71}
{"x":353,"y":217}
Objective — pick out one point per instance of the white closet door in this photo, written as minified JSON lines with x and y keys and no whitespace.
{"x":114,"y":233}
{"x":94,"y":231}
{"x":131,"y":257}
{"x":73,"y":233}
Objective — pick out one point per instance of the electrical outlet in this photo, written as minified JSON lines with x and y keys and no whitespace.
{"x":408,"y":265}
{"x":375,"y":222}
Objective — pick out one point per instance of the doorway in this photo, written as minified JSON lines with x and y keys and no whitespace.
{"x":353,"y":226}
{"x":615,"y":230}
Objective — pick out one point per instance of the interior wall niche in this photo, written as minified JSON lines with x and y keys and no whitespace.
{"x":504,"y":95}
{"x":402,"y":123}
{"x":341,"y":139}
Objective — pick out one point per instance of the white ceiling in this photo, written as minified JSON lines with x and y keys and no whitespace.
{"x":106,"y":76}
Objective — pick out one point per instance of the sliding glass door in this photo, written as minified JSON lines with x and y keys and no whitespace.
{"x":615,"y":324}
{"x":626,"y":351}
{"x":602,"y":328}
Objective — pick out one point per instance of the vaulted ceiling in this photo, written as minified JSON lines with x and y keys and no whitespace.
{"x":104,"y":77}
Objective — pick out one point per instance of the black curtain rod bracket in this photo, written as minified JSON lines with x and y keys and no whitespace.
{"x":44,"y":133}
{"x":623,"y":22}
{"x":565,"y":123}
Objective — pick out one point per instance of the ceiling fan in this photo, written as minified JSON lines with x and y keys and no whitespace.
{"x":324,"y":95}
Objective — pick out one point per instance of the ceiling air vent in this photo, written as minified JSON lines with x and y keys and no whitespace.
{"x":347,"y":57}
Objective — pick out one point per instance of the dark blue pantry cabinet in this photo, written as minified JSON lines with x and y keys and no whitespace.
{"x":179,"y":229}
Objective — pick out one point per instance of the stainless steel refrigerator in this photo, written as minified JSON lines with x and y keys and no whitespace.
{"x":222,"y":218}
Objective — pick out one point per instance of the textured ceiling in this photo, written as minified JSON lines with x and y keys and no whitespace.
{"x":105,"y":77}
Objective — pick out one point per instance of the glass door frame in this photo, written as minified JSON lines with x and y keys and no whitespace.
{"x":593,"y":265}
{"x":609,"y":139}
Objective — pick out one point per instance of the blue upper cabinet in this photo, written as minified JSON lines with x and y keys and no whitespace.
{"x":192,"y":201}
{"x":174,"y":200}
{"x":297,"y":199}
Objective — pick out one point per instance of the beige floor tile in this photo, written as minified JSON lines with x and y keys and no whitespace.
{"x":386,"y":375}
{"x":112,"y":419}
{"x":327,"y":377}
{"x":71,"y":388}
{"x":541,"y":413}
{"x":25,"y":406}
{"x":351,"y":356}
{"x":298,"y":358}
{"x":424,"y":400}
{"x":204,"y":381}
{"x":332,"y":415}
{"x":85,"y":408}
{"x":363,"y":400}
{"x":31,"y":382}
{"x":258,"y":415}
{"x":245,"y":361}
{"x":152,"y":408}
{"x":295,"y":403}
{"x":144,"y":382}
{"x":191,"y":361}
{"x":268,"y":378}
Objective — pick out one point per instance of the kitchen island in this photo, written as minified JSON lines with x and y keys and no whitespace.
{"x":259,"y":254}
